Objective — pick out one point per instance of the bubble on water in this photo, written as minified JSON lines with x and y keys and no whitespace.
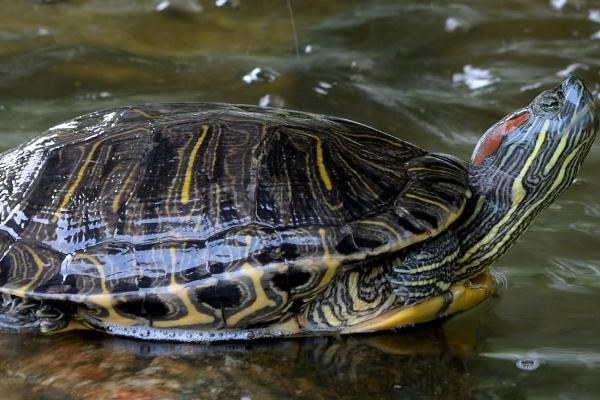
{"x":323,"y":88}
{"x":184,"y":6}
{"x":474,"y":78}
{"x":97,"y":96}
{"x":308,"y":49}
{"x":271,"y":100}
{"x":452,"y":24}
{"x":227,"y":3}
{"x":594,"y":15}
{"x":570,"y":69}
{"x":558,"y":4}
{"x":260,"y":74}
{"x":528,"y":364}
{"x":183,"y":334}
{"x":579,"y":182}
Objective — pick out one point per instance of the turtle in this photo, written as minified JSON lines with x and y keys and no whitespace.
{"x":207,"y":222}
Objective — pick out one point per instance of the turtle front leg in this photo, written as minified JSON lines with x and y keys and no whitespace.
{"x":24,"y":315}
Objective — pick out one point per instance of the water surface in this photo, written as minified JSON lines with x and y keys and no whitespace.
{"x":433,"y":73}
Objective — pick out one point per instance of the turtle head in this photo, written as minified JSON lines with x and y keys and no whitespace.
{"x":523,"y":163}
{"x":538,"y":149}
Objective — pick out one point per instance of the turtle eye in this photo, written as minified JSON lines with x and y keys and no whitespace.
{"x":549,"y":103}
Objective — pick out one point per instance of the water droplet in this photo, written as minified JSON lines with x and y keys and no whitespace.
{"x":271,"y":100}
{"x":528,"y":364}
{"x":308,"y":49}
{"x":259,"y":74}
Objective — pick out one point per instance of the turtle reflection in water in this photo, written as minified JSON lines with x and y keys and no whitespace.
{"x":123,"y":369}
{"x":199,"y":222}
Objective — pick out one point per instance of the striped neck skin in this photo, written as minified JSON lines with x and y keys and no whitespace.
{"x":519,"y":167}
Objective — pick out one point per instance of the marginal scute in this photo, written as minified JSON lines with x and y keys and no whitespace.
{"x":420,"y":205}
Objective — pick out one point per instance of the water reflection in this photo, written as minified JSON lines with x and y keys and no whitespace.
{"x":419,"y":364}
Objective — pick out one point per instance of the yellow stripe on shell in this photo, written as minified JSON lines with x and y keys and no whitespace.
{"x":321,"y":165}
{"x":330,"y":263}
{"x":78,"y":179}
{"x":21,"y":291}
{"x":117,"y":200}
{"x":105,"y":300}
{"x":192,"y":315}
{"x":185,"y":190}
{"x":261,"y":300}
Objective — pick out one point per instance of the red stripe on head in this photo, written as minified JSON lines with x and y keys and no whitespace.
{"x":491,"y":141}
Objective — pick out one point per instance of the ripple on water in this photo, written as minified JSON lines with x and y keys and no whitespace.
{"x":271,"y":100}
{"x":593,"y":210}
{"x":183,"y":6}
{"x":589,"y":228}
{"x":575,"y":276}
{"x":558,"y":4}
{"x":594,"y":15}
{"x":570,"y":69}
{"x":260,"y":74}
{"x":227,"y":3}
{"x":453,"y":24}
{"x":549,"y":355}
{"x":475,"y":78}
{"x":528,"y":364}
{"x":323,"y":88}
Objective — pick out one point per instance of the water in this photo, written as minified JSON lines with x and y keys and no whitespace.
{"x":436,"y":74}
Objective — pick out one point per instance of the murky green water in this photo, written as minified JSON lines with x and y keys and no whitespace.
{"x":434,"y":73}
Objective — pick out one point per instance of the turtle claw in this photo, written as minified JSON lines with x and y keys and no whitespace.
{"x":50,"y":318}
{"x":24,"y":306}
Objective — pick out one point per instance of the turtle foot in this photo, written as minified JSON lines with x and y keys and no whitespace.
{"x":22,"y":315}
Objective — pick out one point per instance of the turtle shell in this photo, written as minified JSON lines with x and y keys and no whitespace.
{"x":211,"y":215}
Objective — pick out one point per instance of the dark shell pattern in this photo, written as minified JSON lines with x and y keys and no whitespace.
{"x":211,"y":216}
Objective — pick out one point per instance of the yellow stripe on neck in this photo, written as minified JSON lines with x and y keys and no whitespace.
{"x":518,"y":193}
